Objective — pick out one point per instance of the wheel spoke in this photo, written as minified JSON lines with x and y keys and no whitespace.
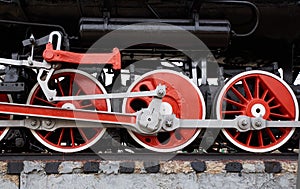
{"x":83,"y":135}
{"x":260,"y":138}
{"x":271,"y":99}
{"x":234,"y":112}
{"x":61,"y":136}
{"x":48,"y":134}
{"x":238,"y":94}
{"x":234,"y":102}
{"x":271,"y":135}
{"x":264,"y":94}
{"x":285,"y":116}
{"x":72,"y":137}
{"x":256,"y":88}
{"x":249,"y":137}
{"x":237,"y":134}
{"x":87,"y":106}
{"x":275,"y":106}
{"x":78,"y":92}
{"x":247,"y":90}
{"x":45,"y":101}
{"x":60,"y":88}
{"x":71,"y":81}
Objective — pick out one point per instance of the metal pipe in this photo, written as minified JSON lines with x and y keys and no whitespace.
{"x":214,"y":33}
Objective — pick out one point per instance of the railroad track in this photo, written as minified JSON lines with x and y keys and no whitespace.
{"x":146,"y":157}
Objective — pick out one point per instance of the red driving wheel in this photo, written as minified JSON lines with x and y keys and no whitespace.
{"x":70,"y":82}
{"x":255,"y":94}
{"x":182,"y":98}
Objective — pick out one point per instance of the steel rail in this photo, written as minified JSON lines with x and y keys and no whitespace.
{"x":12,"y":157}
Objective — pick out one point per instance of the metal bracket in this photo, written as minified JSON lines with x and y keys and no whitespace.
{"x":43,"y":81}
{"x":149,"y":119}
{"x":12,"y":87}
{"x":59,"y":37}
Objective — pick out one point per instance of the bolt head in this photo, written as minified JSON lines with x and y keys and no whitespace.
{"x":244,"y":122}
{"x":48,"y":123}
{"x":160,"y":92}
{"x":169,"y":123}
{"x":258,"y":123}
{"x":33,"y":123}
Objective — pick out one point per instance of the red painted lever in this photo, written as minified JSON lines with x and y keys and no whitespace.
{"x":114,"y":58}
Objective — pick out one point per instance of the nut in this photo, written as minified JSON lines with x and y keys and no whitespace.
{"x":258,"y":123}
{"x":33,"y":123}
{"x":169,"y":123}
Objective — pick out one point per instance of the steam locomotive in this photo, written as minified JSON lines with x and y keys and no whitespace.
{"x":167,"y":76}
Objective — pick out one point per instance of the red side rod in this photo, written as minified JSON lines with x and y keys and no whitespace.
{"x":114,"y":58}
{"x":58,"y":113}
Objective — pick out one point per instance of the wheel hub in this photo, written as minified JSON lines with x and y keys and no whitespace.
{"x":258,"y":108}
{"x":69,"y":106}
{"x":166,"y":108}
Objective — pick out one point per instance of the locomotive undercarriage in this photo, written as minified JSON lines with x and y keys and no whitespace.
{"x":167,"y":108}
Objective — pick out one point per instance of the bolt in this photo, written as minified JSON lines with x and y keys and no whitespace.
{"x":33,"y":123}
{"x":244,"y":122}
{"x":48,"y":122}
{"x":169,"y":123}
{"x":258,"y":123}
{"x":161,"y":92}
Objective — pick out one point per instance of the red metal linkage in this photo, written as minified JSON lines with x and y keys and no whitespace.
{"x":114,"y":58}
{"x":58,"y":113}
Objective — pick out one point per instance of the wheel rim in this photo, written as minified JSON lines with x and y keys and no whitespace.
{"x":258,"y":93}
{"x":70,"y":82}
{"x":3,"y":130}
{"x":181,"y":97}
